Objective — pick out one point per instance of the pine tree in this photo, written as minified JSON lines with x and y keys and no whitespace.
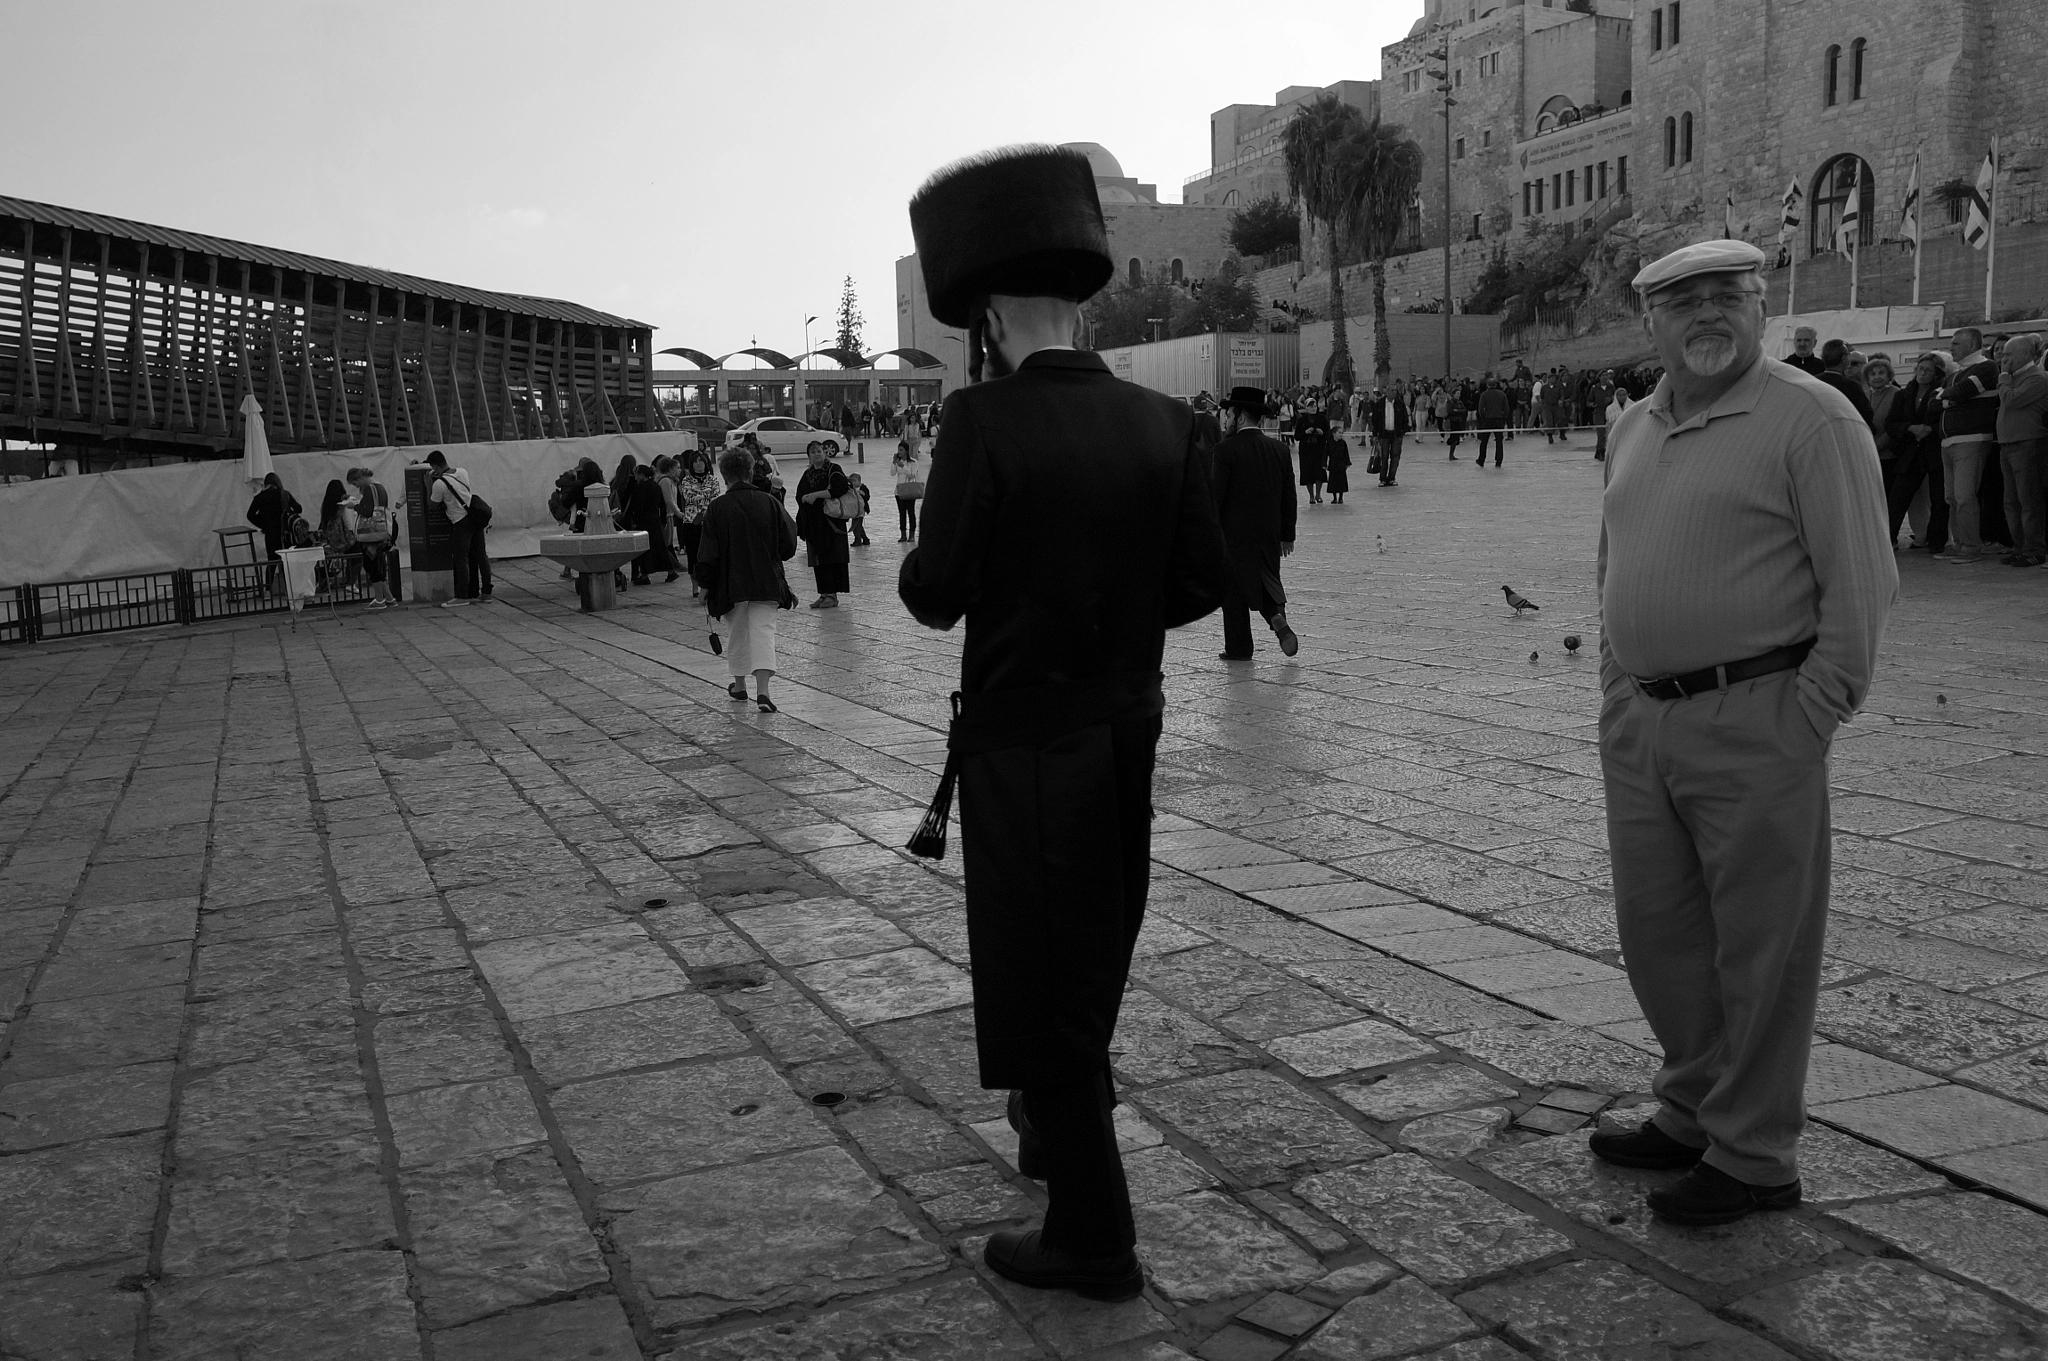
{"x":850,"y":320}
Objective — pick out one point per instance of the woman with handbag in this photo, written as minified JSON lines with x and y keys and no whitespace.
{"x":338,"y":536}
{"x":376,"y":527}
{"x":909,"y":470}
{"x":747,"y":537}
{"x":821,"y":517}
{"x":694,"y":495}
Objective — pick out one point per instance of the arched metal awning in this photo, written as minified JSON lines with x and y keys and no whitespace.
{"x":917,"y":359}
{"x":775,"y":358}
{"x":845,"y":359}
{"x":697,"y":358}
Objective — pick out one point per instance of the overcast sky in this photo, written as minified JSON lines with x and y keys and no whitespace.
{"x":713,"y":169}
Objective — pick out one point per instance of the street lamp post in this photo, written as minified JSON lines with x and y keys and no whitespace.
{"x":1442,"y":53}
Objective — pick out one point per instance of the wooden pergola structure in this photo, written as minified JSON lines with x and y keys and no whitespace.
{"x":131,"y":338}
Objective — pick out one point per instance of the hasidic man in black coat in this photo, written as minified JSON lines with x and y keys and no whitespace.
{"x":1068,"y":519}
{"x":1255,"y":504}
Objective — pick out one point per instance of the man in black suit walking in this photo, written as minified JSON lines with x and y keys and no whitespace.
{"x":1256,"y":506}
{"x":1069,"y":520}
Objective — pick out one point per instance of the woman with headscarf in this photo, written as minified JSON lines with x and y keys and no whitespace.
{"x":695,"y":491}
{"x":824,"y":535}
{"x":1311,"y":439}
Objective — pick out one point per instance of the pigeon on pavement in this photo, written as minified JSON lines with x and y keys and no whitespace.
{"x":1571,"y":643}
{"x":1518,"y":602}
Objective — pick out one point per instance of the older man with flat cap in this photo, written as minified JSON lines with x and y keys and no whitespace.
{"x":1068,"y":519}
{"x":1744,"y":582}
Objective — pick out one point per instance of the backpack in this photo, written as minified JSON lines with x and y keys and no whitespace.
{"x":338,"y":536}
{"x":298,"y":534}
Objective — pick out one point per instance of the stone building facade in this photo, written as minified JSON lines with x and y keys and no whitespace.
{"x":1738,"y":98}
{"x":1519,"y":70}
{"x":1246,"y":158}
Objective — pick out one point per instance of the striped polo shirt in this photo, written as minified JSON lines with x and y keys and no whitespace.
{"x":1757,"y":523}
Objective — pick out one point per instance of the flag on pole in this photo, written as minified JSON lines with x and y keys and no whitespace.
{"x":1789,"y":222}
{"x":1848,"y":227}
{"x":1728,"y":217}
{"x":1909,"y":217}
{"x":1977,"y":227}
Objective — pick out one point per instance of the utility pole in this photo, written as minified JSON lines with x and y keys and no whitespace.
{"x":1442,"y":76}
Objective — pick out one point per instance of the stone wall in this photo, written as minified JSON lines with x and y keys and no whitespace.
{"x":1411,"y":279}
{"x":1156,"y":234}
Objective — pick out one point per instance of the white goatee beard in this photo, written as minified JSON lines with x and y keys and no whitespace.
{"x":1709,"y":355}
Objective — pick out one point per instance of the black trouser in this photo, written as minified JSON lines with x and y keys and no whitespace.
{"x":1914,"y":472}
{"x":906,"y":515}
{"x":472,"y":563}
{"x":1390,"y":458}
{"x":1088,"y":1209}
{"x":690,"y":535}
{"x":1237,"y":620}
{"x":1498,"y":434}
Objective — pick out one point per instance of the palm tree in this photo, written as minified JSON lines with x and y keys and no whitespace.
{"x":1318,"y":179}
{"x":1381,"y":167}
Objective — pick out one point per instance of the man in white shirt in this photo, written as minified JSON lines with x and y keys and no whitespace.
{"x":450,"y":490}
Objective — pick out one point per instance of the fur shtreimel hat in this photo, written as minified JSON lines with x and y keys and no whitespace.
{"x":1023,"y":220}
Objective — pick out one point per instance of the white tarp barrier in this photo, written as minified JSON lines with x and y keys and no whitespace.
{"x":155,"y":519}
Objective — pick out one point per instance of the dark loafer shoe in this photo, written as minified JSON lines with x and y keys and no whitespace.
{"x":1707,"y":1195}
{"x":1018,"y":1255}
{"x":1030,"y":1152}
{"x":1645,"y":1147}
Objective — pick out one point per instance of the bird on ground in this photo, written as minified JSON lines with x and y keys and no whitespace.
{"x":1532,"y":656}
{"x":1519,"y":603}
{"x":1571,"y":643}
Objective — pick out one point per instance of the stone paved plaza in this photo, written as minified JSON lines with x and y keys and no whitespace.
{"x":484,"y":984}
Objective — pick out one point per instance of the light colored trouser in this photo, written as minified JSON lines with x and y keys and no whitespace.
{"x":2023,"y":464}
{"x":752,"y":625}
{"x":1962,"y":472}
{"x":1717,"y":823}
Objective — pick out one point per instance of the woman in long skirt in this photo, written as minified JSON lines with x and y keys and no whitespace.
{"x":1340,"y":469}
{"x":824,"y":536}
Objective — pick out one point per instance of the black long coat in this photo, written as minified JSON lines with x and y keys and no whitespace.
{"x":1255,"y":503}
{"x":824,"y":536}
{"x":747,"y":536}
{"x":1068,"y":518}
{"x":1311,"y":435}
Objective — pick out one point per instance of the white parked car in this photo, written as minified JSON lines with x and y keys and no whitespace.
{"x":786,"y":435}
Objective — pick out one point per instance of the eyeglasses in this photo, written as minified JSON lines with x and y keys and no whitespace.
{"x":1723,"y":303}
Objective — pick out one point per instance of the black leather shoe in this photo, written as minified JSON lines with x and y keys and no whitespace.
{"x":1707,"y":1195}
{"x":1030,"y":1151}
{"x":1289,"y":643}
{"x":1233,"y":657}
{"x":1645,"y":1147}
{"x":1018,"y":1255}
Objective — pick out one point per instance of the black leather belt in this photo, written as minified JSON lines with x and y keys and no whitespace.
{"x":1718,"y":677}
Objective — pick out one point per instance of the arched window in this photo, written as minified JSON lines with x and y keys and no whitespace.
{"x":1137,"y":272}
{"x":1685,"y":140}
{"x":1856,"y":69}
{"x":1831,"y":76}
{"x":1670,"y":142}
{"x":1551,"y":115}
{"x":1178,"y":276}
{"x":1628,"y":97}
{"x":1830,"y":196}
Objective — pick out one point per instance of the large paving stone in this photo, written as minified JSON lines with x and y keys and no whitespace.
{"x":42,"y":1112}
{"x":889,"y":986}
{"x":1923,"y":1026}
{"x":2022,"y":1076}
{"x":1877,"y":1309}
{"x":1992,"y":1243}
{"x":1158,"y":1042}
{"x":803,"y":1228}
{"x":1346,"y":1048}
{"x":1421,"y":1090}
{"x":290,"y":1200}
{"x":316,"y":1022}
{"x":901,"y":1136}
{"x":1835,"y":1168}
{"x":428,"y":1049}
{"x":494,"y":1232}
{"x":642,"y":1125}
{"x":637,"y":1035}
{"x":1935,"y":1122}
{"x":599,"y":966}
{"x":350,"y":1306}
{"x":1234,"y":991}
{"x":1442,"y":1229}
{"x":1393,"y":1322}
{"x":94,"y":971}
{"x":1591,"y":1311}
{"x":955,"y":1198}
{"x":1836,"y":1072}
{"x":269,"y":1100}
{"x":1562,"y":1172}
{"x":595,"y":1327}
{"x":1460,"y":879}
{"x":1455,"y":1134}
{"x":71,"y":1316}
{"x":2019,"y":1169}
{"x":539,"y":905}
{"x":954,"y":1319}
{"x":1546,"y":1054}
{"x":1412,"y":996}
{"x":818,"y":929}
{"x":1205,"y":1246}
{"x":463,"y":1119}
{"x":937,"y":1053}
{"x":1261,"y":1128}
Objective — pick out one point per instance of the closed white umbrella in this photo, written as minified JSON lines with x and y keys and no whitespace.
{"x":255,"y":444}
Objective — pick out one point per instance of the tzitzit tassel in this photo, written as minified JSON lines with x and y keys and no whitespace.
{"x":929,"y":840}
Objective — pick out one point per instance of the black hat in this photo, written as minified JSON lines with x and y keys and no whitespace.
{"x":1251,"y":400}
{"x":1023,"y":220}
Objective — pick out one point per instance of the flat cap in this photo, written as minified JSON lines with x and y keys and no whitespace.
{"x":1704,"y":257}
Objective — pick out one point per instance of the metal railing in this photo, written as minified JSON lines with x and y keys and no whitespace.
{"x":140,"y":600}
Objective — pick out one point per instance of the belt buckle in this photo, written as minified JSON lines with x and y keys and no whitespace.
{"x":1662,"y":687}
